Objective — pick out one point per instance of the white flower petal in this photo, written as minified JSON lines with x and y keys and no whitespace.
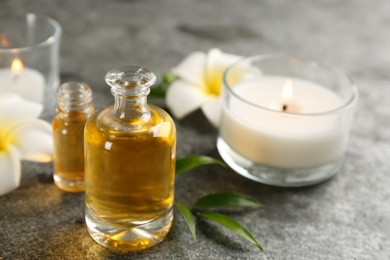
{"x":192,"y":69}
{"x":212,"y":110}
{"x":14,"y":109}
{"x":34,"y":140}
{"x":10,"y":171}
{"x":200,"y":83}
{"x":216,"y":63}
{"x":182,"y":98}
{"x":217,"y":58}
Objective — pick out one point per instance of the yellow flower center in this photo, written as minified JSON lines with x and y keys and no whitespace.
{"x":5,"y":139}
{"x":214,"y":82}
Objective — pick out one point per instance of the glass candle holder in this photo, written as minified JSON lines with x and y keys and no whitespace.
{"x":285,"y":121}
{"x":29,"y":58}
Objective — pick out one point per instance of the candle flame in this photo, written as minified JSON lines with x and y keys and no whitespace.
{"x":17,"y":66}
{"x":287,"y":92}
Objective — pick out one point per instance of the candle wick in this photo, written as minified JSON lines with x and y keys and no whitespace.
{"x":284,"y":108}
{"x":15,"y":77}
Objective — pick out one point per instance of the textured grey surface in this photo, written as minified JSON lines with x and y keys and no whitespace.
{"x":347,"y":217}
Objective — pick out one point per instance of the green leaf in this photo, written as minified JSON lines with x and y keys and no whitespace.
{"x":190,"y":162}
{"x":160,"y":91}
{"x":187,"y":214}
{"x":157,"y":92}
{"x":227,"y":199}
{"x":168,"y":78}
{"x":231,"y":224}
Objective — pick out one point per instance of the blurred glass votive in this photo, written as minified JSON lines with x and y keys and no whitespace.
{"x":29,"y":58}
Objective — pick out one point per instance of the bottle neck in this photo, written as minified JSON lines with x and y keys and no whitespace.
{"x":130,"y":86}
{"x":79,"y":114}
{"x":131,"y":107}
{"x":74,"y":101}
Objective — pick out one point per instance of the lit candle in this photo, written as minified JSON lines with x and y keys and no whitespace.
{"x":287,"y":103}
{"x":26,"y":82}
{"x":283,"y":122}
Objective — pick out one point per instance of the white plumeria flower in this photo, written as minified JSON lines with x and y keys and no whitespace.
{"x":22,"y":137}
{"x":199,"y":84}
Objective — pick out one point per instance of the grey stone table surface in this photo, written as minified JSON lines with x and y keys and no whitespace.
{"x":347,"y":217}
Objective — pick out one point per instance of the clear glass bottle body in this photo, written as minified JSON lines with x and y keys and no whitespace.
{"x":73,"y":109}
{"x":130,"y":167}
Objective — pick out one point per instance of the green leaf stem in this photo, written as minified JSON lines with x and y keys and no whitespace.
{"x":187,"y":214}
{"x":231,"y":224}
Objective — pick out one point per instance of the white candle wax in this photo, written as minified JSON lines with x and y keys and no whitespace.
{"x":280,"y":139}
{"x":28,"y":83}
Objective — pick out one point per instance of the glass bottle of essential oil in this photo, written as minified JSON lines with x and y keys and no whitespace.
{"x":74,"y":108}
{"x":130,"y":153}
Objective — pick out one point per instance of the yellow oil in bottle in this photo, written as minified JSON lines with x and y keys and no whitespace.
{"x":73,"y":110}
{"x":130,"y":178}
{"x":69,"y":153}
{"x":129,"y":175}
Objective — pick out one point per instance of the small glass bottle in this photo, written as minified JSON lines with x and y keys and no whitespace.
{"x":73,"y":109}
{"x":130,"y":154}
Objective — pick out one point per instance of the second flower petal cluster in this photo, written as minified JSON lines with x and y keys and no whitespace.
{"x":22,"y":136}
{"x":199,"y":84}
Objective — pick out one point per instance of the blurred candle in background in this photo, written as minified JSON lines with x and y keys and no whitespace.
{"x":29,"y":58}
{"x":26,"y":82}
